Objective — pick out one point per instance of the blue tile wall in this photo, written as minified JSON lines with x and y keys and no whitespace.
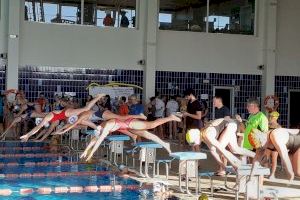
{"x":33,"y":79}
{"x":246,"y":85}
{"x":2,"y":77}
{"x":282,"y":86}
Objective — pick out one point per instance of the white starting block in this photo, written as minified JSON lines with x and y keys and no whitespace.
{"x":147,"y":155}
{"x":252,"y":188}
{"x":188,"y":166}
{"x":116,"y":146}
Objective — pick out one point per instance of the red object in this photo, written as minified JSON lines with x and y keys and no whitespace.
{"x":275,"y":102}
{"x":60,"y":116}
{"x":26,"y":191}
{"x":44,"y":190}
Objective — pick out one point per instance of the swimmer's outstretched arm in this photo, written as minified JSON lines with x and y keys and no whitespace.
{"x":47,"y":118}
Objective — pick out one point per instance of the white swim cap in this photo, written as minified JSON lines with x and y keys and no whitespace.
{"x":193,"y":136}
{"x":39,"y":120}
{"x":72,"y":119}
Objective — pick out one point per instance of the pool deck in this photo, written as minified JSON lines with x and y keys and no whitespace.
{"x":211,"y":165}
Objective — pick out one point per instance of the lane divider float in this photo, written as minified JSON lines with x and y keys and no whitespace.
{"x":22,"y":148}
{"x":54,"y":174}
{"x":31,"y":155}
{"x":73,"y":189}
{"x":31,"y":164}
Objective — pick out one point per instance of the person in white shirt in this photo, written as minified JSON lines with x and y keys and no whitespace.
{"x":159,"y":113}
{"x":172,"y":107}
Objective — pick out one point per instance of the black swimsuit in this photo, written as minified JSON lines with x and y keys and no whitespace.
{"x":292,"y":145}
{"x":99,"y":113}
{"x":29,"y":110}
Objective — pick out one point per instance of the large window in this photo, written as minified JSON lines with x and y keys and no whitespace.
{"x":224,"y":16}
{"x":183,"y":15}
{"x":110,"y":13}
{"x":231,"y":16}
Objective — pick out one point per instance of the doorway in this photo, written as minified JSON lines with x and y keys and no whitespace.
{"x":227,"y":94}
{"x":293,"y":106}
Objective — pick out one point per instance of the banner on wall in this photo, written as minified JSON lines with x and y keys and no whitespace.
{"x":112,"y":91}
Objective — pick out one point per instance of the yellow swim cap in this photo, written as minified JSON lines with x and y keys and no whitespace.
{"x":193,"y":136}
{"x":274,"y":114}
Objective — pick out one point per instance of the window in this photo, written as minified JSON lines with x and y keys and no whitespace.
{"x":224,"y":16}
{"x":181,"y":15}
{"x":95,"y":12}
{"x":52,"y":11}
{"x":116,"y":14}
{"x":231,"y":16}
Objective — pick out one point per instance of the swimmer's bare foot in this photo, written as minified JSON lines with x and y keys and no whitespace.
{"x":24,"y":138}
{"x":89,"y":158}
{"x":178,"y":114}
{"x":143,"y":116}
{"x":168,"y":147}
{"x":84,"y":154}
{"x":175,"y":118}
{"x":272,"y":177}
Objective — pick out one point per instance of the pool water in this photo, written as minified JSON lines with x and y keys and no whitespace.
{"x":19,"y":167}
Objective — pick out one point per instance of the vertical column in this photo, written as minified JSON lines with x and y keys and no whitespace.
{"x":149,"y":24}
{"x":14,"y":14}
{"x":269,"y":13}
{"x":3,"y":26}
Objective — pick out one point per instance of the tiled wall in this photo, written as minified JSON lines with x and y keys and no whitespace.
{"x":282,"y":86}
{"x":48,"y":79}
{"x":2,"y":78}
{"x":171,"y":83}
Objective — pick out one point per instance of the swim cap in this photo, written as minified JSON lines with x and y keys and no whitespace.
{"x":274,"y":114}
{"x":122,"y":167}
{"x":257,"y":138}
{"x":193,"y":136}
{"x":39,"y":120}
{"x":73,"y":119}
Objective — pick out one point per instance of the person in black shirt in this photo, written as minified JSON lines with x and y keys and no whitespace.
{"x":221,"y":111}
{"x":194,"y":113}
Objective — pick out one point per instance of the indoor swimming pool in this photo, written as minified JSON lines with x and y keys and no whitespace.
{"x":29,"y":172}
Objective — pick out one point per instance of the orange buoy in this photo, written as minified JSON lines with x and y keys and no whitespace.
{"x":5,"y":192}
{"x":76,"y":189}
{"x":51,"y":174}
{"x":44,"y":190}
{"x":25,"y":175}
{"x":12,"y":164}
{"x":92,"y":188}
{"x":132,"y":187}
{"x":29,"y":164}
{"x":12,"y":175}
{"x":118,"y":188}
{"x":105,"y":188}
{"x":38,"y":175}
{"x":61,"y":190}
{"x":26,"y":191}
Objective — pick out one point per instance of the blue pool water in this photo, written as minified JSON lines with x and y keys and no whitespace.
{"x":15,"y":184}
